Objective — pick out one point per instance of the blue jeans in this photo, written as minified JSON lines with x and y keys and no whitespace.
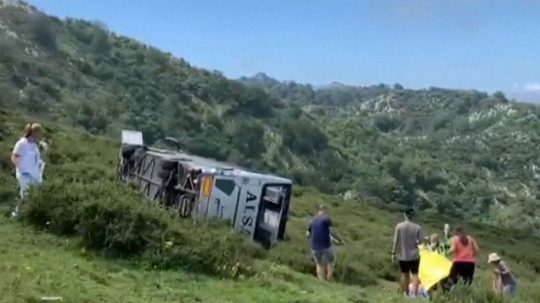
{"x":509,"y":289}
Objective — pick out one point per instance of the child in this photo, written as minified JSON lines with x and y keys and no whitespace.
{"x":504,"y":282}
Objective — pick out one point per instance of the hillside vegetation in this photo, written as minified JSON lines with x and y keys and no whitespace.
{"x":82,"y":224}
{"x":456,"y":152}
{"x":448,"y":151}
{"x":79,"y":73}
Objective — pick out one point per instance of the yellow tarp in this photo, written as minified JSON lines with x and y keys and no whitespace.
{"x":433,"y":268}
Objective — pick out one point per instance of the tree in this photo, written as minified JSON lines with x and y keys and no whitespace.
{"x":398,"y":86}
{"x":303,"y":137}
{"x":500,"y":95}
{"x":8,"y":53}
{"x":248,"y":138}
{"x":43,"y":31}
{"x":440,"y":120}
{"x":100,"y":42}
{"x":8,"y":96}
{"x":385,"y":123}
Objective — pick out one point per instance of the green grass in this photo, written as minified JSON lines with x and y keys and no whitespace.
{"x":38,"y":264}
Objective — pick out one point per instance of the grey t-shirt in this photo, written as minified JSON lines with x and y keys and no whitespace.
{"x":406,"y":239}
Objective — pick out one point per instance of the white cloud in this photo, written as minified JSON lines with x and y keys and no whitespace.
{"x":532,"y":87}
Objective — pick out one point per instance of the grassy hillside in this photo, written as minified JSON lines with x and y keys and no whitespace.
{"x":461,"y":153}
{"x":79,"y":73}
{"x":50,"y":246}
{"x":453,"y":154}
{"x":449,"y":151}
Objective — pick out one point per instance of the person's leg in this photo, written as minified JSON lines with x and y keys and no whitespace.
{"x":321,"y":272}
{"x":510,"y":289}
{"x":446,"y":285}
{"x":468,"y":273}
{"x":321,"y":267}
{"x":415,"y":266}
{"x":404,"y":279}
{"x":331,"y":261}
{"x":24,"y":184}
{"x":454,"y":273}
{"x":473,"y":270}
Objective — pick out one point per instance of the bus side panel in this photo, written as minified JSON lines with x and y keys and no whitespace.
{"x":248,"y":208}
{"x":224,"y":198}
{"x":203,"y":199}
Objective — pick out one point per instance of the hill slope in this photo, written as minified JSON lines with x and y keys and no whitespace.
{"x":79,"y":73}
{"x":457,"y":152}
{"x":453,"y":152}
{"x":37,"y":263}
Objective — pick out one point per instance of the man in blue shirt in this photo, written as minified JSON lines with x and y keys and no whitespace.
{"x":321,"y":244}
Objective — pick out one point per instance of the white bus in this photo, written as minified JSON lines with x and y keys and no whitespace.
{"x":255,"y":204}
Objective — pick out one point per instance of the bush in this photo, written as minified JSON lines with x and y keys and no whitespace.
{"x":100,"y":42}
{"x":8,"y":53}
{"x":43,"y":31}
{"x":304,"y":137}
{"x":116,"y":222}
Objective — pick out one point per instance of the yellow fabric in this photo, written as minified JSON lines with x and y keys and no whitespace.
{"x":433,"y":268}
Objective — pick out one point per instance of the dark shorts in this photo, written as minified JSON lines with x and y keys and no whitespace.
{"x":462,"y":271}
{"x":407,"y":267}
{"x":324,"y":257}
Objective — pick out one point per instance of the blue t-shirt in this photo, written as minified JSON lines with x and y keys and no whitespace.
{"x":319,"y":229}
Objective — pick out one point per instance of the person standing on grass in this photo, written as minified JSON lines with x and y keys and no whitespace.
{"x":321,"y":244}
{"x":464,"y":252}
{"x":504,"y":282}
{"x":27,"y":160}
{"x":407,"y":237}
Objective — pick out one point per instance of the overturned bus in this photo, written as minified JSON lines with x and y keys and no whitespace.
{"x":255,"y":204}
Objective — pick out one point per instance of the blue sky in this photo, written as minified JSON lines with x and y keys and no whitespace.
{"x":483,"y":44}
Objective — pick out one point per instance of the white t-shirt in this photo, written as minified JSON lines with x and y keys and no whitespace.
{"x":29,"y":157}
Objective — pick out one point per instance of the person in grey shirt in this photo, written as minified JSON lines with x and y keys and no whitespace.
{"x":407,"y":237}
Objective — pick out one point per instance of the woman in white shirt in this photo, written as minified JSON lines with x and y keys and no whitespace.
{"x":27,"y":160}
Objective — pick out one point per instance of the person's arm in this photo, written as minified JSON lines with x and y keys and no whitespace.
{"x":16,"y":154}
{"x":503,"y":269}
{"x":452,"y":245}
{"x":475,"y":247}
{"x":499,"y":285}
{"x":332,"y":231}
{"x":395,"y":242}
{"x":15,"y":158}
{"x":420,"y":236}
{"x":495,"y":283}
{"x":308,"y":231}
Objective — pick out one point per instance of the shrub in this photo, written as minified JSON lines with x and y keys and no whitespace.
{"x":113,"y":220}
{"x":8,"y":53}
{"x":43,"y":31}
